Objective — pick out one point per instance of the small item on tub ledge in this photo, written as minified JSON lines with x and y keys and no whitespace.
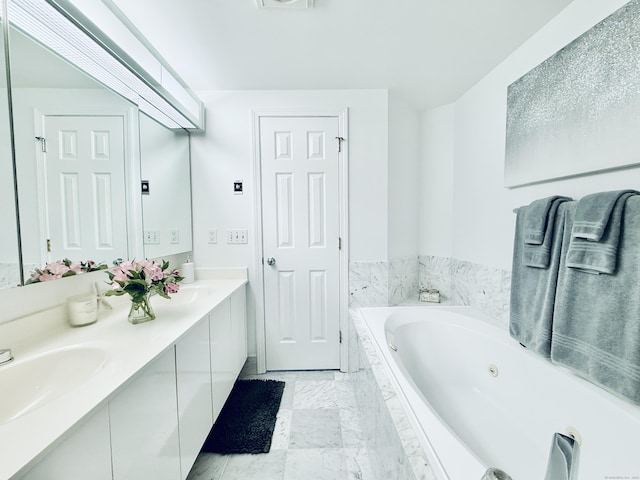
{"x":429,"y":295}
{"x":495,"y":474}
{"x":83,"y":309}
{"x":187,"y":271}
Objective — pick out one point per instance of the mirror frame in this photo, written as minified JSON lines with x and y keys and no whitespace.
{"x":5,"y":48}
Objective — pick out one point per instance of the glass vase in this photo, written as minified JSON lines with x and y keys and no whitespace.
{"x":141,"y":310}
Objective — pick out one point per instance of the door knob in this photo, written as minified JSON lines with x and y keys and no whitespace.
{"x":271,"y":261}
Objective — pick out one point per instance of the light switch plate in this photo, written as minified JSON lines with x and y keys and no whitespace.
{"x":237,"y":236}
{"x":152,"y":237}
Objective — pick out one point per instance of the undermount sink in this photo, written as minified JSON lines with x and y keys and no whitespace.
{"x":188,"y":294}
{"x":30,"y":383}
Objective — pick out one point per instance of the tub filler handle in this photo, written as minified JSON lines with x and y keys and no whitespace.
{"x":5,"y":356}
{"x":392,"y":346}
{"x":563,"y":458}
{"x":495,"y":474}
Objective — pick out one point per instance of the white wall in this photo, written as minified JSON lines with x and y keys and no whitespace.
{"x":404,"y":155}
{"x":224,"y":154}
{"x":483,"y":221}
{"x":436,"y":182}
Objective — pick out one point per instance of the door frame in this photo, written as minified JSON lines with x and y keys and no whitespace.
{"x":133,"y":200}
{"x":343,"y":207}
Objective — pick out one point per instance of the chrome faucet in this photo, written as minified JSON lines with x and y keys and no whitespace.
{"x":563,"y":458}
{"x":5,"y":356}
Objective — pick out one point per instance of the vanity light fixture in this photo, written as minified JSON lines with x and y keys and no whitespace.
{"x":53,"y":29}
{"x":285,"y":3}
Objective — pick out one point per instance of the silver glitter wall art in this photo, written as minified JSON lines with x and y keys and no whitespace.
{"x":578,"y":112}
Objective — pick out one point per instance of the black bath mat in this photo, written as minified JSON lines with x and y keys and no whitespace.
{"x":247,"y":420}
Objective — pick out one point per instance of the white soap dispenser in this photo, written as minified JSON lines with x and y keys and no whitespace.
{"x":188,"y":271}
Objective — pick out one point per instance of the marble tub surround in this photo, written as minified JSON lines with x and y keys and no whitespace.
{"x":380,"y":284}
{"x":394,"y":448}
{"x":436,"y":272}
{"x":465,"y":283}
{"x":398,"y":282}
{"x":127,"y":349}
{"x":403,"y":279}
{"x":317,"y":435}
{"x":368,"y":284}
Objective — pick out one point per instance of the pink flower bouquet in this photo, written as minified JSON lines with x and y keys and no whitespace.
{"x":139,"y":278}
{"x":64,"y":268}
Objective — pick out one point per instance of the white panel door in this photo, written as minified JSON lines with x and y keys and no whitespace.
{"x":300,"y":221}
{"x":85,"y":203}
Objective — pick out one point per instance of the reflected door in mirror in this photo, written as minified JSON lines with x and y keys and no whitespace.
{"x":84,"y":175}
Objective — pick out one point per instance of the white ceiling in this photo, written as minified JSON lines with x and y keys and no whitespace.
{"x":429,"y":51}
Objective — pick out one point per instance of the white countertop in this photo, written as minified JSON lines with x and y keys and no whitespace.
{"x":128,"y":349}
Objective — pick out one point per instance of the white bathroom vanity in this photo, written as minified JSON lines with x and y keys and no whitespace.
{"x":114,"y":400}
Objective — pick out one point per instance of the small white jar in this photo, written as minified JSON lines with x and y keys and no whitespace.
{"x":82,"y":309}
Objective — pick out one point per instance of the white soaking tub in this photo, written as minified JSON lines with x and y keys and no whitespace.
{"x":478,"y":399}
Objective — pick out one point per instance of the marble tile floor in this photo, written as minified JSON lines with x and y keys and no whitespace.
{"x":317,"y":435}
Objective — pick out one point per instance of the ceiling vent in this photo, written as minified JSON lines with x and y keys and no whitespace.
{"x":285,"y":3}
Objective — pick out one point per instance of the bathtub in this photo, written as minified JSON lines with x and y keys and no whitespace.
{"x":478,"y":399}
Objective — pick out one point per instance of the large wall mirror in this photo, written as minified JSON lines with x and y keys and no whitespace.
{"x":166,"y":202}
{"x":79,"y":151}
{"x":72,"y":142}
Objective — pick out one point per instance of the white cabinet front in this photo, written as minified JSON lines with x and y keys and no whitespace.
{"x":194,"y":392}
{"x":239,"y":326}
{"x":144,"y":424}
{"x":84,"y":454}
{"x":223,"y":363}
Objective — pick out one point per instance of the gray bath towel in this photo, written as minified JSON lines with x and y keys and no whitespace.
{"x":593,"y":214}
{"x":535,"y":221}
{"x":533,"y":290}
{"x":539,"y":256}
{"x":596,"y":325}
{"x":598,"y":256}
